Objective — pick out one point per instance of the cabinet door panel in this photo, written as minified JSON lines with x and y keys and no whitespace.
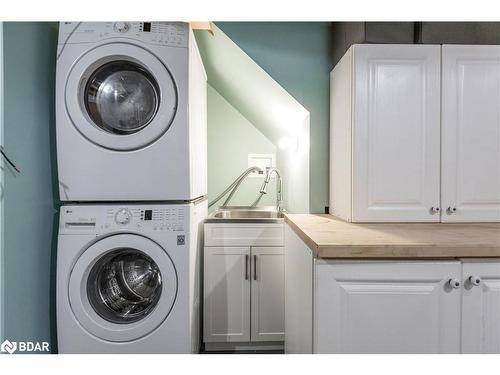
{"x":481,"y":308}
{"x":385,"y":307}
{"x":226,"y":294}
{"x":396,"y":133}
{"x":268,"y":294}
{"x":298,"y":294}
{"x":471,"y":133}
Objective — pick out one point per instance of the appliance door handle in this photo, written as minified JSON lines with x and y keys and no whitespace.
{"x":11,"y":163}
{"x":255,"y":267}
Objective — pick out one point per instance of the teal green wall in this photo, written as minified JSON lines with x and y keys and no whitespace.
{"x":298,"y":56}
{"x":29,"y":198}
{"x":231,"y":137}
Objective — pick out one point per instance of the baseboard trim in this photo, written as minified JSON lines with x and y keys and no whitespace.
{"x":235,"y":347}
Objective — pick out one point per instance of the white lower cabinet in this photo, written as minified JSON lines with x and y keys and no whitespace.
{"x":226,"y":294}
{"x":267,"y":294}
{"x":386,"y":307}
{"x":299,"y":267}
{"x":244,"y":294}
{"x":481,"y":306}
{"x":382,"y":306}
{"x":406,"y":307}
{"x":244,"y":286}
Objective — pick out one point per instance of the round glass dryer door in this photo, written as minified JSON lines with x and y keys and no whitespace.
{"x":122,"y":287}
{"x":120,"y":96}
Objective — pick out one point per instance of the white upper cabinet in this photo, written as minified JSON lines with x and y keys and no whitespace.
{"x":396,"y":133}
{"x":396,"y":155}
{"x":385,"y":134}
{"x":471,"y":133}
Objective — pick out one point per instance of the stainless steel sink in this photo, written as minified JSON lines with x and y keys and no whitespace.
{"x":246,"y":214}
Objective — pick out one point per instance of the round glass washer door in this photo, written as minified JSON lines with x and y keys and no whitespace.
{"x":122,"y":287}
{"x":120,"y":96}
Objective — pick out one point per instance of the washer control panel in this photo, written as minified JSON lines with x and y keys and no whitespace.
{"x":102,"y":219}
{"x":175,"y":34}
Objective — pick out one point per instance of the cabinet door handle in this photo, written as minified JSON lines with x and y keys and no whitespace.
{"x":454,"y":283}
{"x":435,"y":210}
{"x":474,"y":280}
{"x":255,"y":267}
{"x":247,"y":258}
{"x":451,"y":210}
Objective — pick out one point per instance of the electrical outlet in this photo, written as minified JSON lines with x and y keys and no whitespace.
{"x":263,"y":161}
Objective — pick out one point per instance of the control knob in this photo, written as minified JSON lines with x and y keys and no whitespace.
{"x":121,"y":27}
{"x":123,"y":216}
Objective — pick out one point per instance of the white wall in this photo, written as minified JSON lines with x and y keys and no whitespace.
{"x":293,"y":161}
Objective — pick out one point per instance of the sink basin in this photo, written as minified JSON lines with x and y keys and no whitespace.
{"x":246,"y":214}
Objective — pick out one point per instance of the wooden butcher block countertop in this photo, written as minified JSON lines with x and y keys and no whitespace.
{"x":330,"y":237}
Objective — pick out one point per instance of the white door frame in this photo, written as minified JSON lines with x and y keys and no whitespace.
{"x":1,"y":187}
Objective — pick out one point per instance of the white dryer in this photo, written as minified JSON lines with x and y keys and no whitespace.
{"x":130,"y":112}
{"x":128,"y":278}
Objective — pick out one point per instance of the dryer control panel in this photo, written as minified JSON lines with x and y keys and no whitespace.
{"x":175,"y":34}
{"x":85,"y":219}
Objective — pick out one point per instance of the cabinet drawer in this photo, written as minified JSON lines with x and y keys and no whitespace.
{"x":228,"y":234}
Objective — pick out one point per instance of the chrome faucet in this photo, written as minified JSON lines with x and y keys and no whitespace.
{"x":279,"y":186}
{"x":234,"y":186}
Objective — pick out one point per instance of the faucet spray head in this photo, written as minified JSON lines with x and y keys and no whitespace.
{"x":263,"y":189}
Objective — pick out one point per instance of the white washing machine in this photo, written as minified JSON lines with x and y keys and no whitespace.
{"x":130,"y":112}
{"x":128,"y":278}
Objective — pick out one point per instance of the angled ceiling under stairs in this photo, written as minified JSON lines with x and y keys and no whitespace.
{"x":244,"y":84}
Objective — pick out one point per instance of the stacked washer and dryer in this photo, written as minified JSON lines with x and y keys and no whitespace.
{"x":131,"y":151}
